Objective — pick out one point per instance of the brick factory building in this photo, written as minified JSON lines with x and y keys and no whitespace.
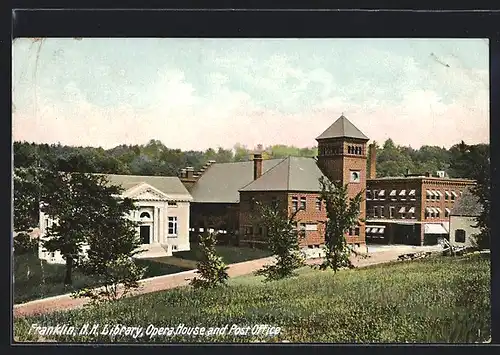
{"x":401,"y":210}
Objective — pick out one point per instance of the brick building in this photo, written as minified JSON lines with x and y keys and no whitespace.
{"x":412,"y":209}
{"x":402,"y":210}
{"x":229,"y":191}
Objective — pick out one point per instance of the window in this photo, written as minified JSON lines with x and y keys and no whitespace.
{"x":447,"y":196}
{"x":453,"y":195}
{"x":174,"y":247}
{"x":381,"y":208}
{"x":402,"y":195}
{"x":355,"y":176}
{"x":302,"y":229}
{"x":402,"y":212}
{"x":249,"y":230}
{"x":374,"y":211}
{"x":349,"y":149}
{"x":303,"y":203}
{"x":391,"y":211}
{"x":412,"y":195}
{"x":375,"y":194}
{"x":172,"y":204}
{"x":172,"y":226}
{"x":145,"y":215}
{"x":447,"y":212}
{"x":318,"y":204}
{"x":356,"y":230}
{"x":460,"y":236}
{"x":260,"y":231}
{"x":381,"y":195}
{"x":411,"y":212}
{"x":368,"y":195}
{"x":295,"y":203}
{"x":429,"y":194}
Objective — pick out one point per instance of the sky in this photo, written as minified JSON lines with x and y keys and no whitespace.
{"x":202,"y":93}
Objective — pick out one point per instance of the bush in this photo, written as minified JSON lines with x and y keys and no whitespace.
{"x":212,"y":270}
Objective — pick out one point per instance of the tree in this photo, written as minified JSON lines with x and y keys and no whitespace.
{"x":480,"y":165}
{"x":112,"y":245}
{"x":282,"y":241}
{"x":73,"y":200}
{"x":26,"y":199}
{"x":342,"y":215}
{"x":211,"y":267}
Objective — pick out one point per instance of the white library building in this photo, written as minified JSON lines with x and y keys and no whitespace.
{"x":163,"y":215}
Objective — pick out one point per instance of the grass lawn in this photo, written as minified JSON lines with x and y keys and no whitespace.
{"x":35,"y":279}
{"x":442,"y":299}
{"x":230,"y":254}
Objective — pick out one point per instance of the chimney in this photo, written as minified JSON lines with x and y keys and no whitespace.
{"x":428,"y":174}
{"x":189,"y":172}
{"x":257,"y":165}
{"x":372,"y":174}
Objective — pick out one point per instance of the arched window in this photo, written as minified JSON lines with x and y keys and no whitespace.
{"x":145,"y":215}
{"x":460,"y":236}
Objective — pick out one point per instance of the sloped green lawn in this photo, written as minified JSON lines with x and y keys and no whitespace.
{"x":34,"y":279}
{"x":441,"y":299}
{"x":230,"y":254}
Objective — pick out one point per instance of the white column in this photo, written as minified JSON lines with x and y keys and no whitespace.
{"x":162,"y":225}
{"x":155,"y":225}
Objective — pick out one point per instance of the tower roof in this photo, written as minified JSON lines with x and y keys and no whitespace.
{"x":342,"y":127}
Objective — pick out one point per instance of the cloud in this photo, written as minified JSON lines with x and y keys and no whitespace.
{"x":276,"y":99}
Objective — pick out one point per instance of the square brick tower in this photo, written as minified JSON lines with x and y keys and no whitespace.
{"x":342,"y":157}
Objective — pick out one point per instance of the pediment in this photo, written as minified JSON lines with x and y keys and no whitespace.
{"x":145,"y":192}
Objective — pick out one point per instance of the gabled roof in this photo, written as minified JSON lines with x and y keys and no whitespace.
{"x":221,"y":181}
{"x":291,"y":174}
{"x":170,"y":185}
{"x":467,"y":205}
{"x":342,"y":127}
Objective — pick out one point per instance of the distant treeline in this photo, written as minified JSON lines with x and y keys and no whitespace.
{"x":154,"y":158}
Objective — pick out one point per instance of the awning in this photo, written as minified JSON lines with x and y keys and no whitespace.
{"x":381,"y":193}
{"x":402,"y":193}
{"x":447,"y":194}
{"x":402,"y":210}
{"x":412,"y":193}
{"x":454,"y":193}
{"x":411,"y":210}
{"x":393,"y":193}
{"x":434,"y":228}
